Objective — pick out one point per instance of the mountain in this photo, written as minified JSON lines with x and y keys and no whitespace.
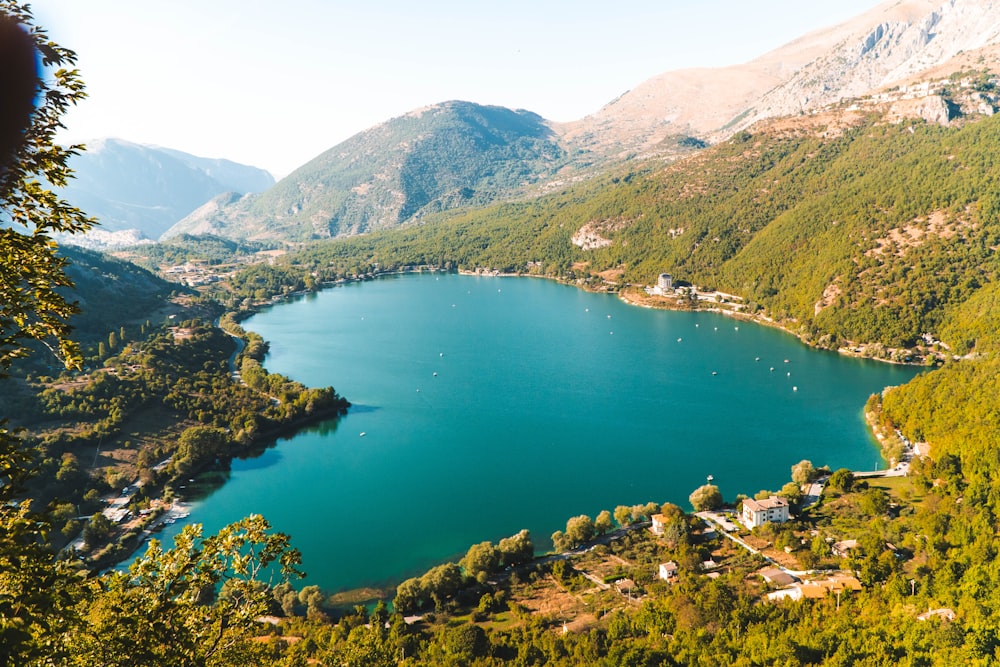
{"x":894,"y":42}
{"x":443,"y":156}
{"x":459,"y":154}
{"x":129,"y":186}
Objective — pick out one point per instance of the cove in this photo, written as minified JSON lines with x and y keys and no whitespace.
{"x":487,"y":405}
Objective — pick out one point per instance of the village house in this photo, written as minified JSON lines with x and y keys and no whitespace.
{"x":758,"y":512}
{"x":659,"y":524}
{"x":668,"y":570}
{"x":777,"y":577}
{"x":814,"y":590}
{"x":843,"y":548}
{"x":944,"y":612}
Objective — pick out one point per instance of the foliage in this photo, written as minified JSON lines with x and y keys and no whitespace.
{"x":516,"y":549}
{"x":842,"y":480}
{"x":31,"y":273}
{"x":803,"y":472}
{"x":454,"y":154}
{"x":480,"y":561}
{"x":706,"y":497}
{"x":159,"y":613}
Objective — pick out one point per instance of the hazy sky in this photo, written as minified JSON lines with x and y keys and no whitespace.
{"x":273,"y":84}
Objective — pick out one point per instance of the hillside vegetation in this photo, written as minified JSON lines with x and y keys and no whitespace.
{"x":876,"y":234}
{"x":448,"y":155}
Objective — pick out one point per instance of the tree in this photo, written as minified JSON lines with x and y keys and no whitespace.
{"x":36,"y":592}
{"x":579,"y":529}
{"x":97,"y":530}
{"x":480,"y":561}
{"x":623,"y":515}
{"x":875,"y":502}
{"x":792,"y":491}
{"x":158,"y":613}
{"x":803,"y":472}
{"x":516,"y":549}
{"x":602,"y":524}
{"x":675,"y":528}
{"x":706,"y":497}
{"x":466,"y":642}
{"x":32,"y":275}
{"x":649,"y":509}
{"x":198,"y":446}
{"x":410,"y":595}
{"x":841,"y":480}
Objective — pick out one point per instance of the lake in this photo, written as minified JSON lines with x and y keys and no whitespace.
{"x":486,"y":405}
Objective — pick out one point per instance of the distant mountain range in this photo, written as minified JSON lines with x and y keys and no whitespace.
{"x":144,"y":190}
{"x":460,"y":154}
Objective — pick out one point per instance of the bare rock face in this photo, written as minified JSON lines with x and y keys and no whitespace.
{"x":893,"y":42}
{"x":902,"y":39}
{"x":933,"y":109}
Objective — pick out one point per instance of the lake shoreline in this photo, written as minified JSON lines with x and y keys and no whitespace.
{"x":916,"y":357}
{"x":359,"y":307}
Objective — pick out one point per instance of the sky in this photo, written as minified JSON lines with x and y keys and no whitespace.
{"x":274,"y":84}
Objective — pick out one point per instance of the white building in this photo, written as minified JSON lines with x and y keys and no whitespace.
{"x":668,"y":570}
{"x":665,"y":282}
{"x":758,"y":512}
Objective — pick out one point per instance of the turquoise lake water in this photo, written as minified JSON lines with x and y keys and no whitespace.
{"x":486,"y":405}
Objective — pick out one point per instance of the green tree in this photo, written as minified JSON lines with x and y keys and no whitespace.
{"x":874,"y":502}
{"x":159,"y":611}
{"x":841,"y":480}
{"x":803,"y":472}
{"x":706,"y":497}
{"x":36,"y":592}
{"x":516,"y":549}
{"x":623,"y":515}
{"x":579,"y":529}
{"x":97,"y":530}
{"x":676,"y":529}
{"x":603,"y":524}
{"x":466,"y":642}
{"x":792,"y":491}
{"x":410,"y":595}
{"x":480,"y":561}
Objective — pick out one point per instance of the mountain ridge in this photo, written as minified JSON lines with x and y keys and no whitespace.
{"x":398,"y":171}
{"x":450,"y":154}
{"x":143,"y":190}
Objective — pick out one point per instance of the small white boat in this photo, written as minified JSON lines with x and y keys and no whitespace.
{"x":362,"y":434}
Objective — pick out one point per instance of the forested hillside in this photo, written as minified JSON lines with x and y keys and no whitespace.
{"x":875,"y":234}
